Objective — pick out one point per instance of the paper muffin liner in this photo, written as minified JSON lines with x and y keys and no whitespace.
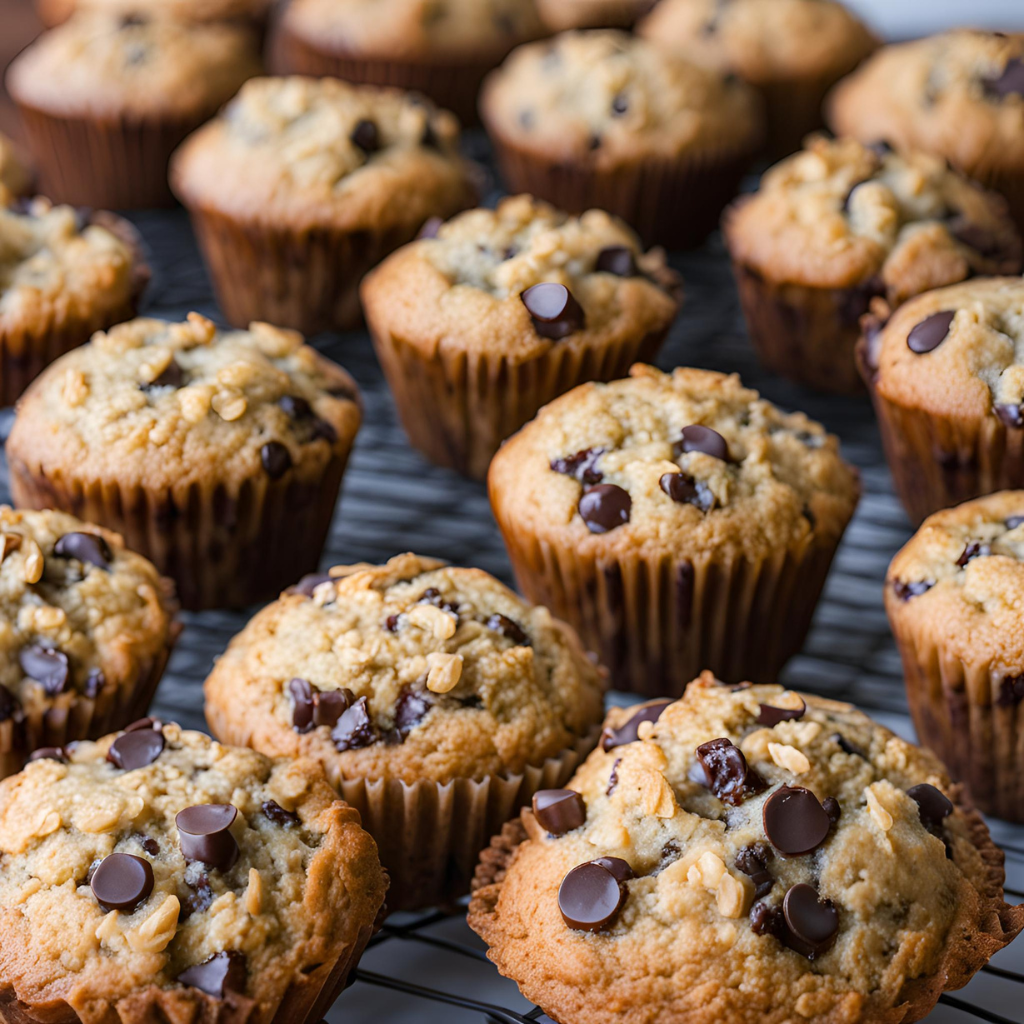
{"x":675,"y":203}
{"x":458,"y":406}
{"x":224,"y":544}
{"x":657,"y":622}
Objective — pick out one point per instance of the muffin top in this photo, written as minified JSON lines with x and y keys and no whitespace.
{"x":79,"y":612}
{"x":612,"y":99}
{"x":747,"y":854}
{"x":98,"y":64}
{"x":691,"y":462}
{"x":167,"y":405}
{"x":414,"y":29}
{"x":55,"y":11}
{"x":15,"y":177}
{"x":763,"y":41}
{"x":959,"y":94}
{"x":839,"y":214}
{"x":61,"y":266}
{"x":317,"y":152}
{"x":473,"y":282}
{"x":961,"y":577}
{"x":413,"y":670}
{"x":153,"y":873}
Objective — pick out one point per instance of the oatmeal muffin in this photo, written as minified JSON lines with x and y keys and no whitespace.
{"x":302,"y":185}
{"x":87,"y":628}
{"x":840,"y":223}
{"x":791,"y":51}
{"x":953,"y":596}
{"x":64,"y":273}
{"x":499,"y":311}
{"x":670,"y":517}
{"x":560,"y":15}
{"x":15,"y":177}
{"x":603,"y":120}
{"x":442,"y":49}
{"x":959,"y":95}
{"x":105,"y":99}
{"x":156,"y":875}
{"x":249,"y":12}
{"x":217,"y":455}
{"x":947,"y":379}
{"x":746,"y":855}
{"x":437,"y":700}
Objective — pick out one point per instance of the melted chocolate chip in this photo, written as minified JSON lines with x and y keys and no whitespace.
{"x":905,"y":591}
{"x":276,"y":459}
{"x":301,"y":412}
{"x":201,"y":895}
{"x":726,"y":773}
{"x":1010,"y":82}
{"x":975,"y":549}
{"x":613,"y":777}
{"x":931,"y":332}
{"x":794,"y":822}
{"x":933,"y":805}
{"x":559,"y":810}
{"x":136,"y":749}
{"x":310,"y":582}
{"x":831,"y":807}
{"x":354,"y":729}
{"x":770,"y":716}
{"x":411,"y":708}
{"x":1011,"y":414}
{"x":204,"y":833}
{"x":86,"y":547}
{"x":173,"y":376}
{"x":753,"y":861}
{"x":217,"y":975}
{"x":554,"y":311}
{"x":122,"y":882}
{"x":846,"y":746}
{"x":697,"y":438}
{"x":145,"y":723}
{"x":46,"y":666}
{"x":275,"y":813}
{"x":685,"y":490}
{"x":813,"y":925}
{"x":618,"y":260}
{"x":508,"y":628}
{"x":365,"y":136}
{"x":592,"y":894}
{"x":150,"y":845}
{"x":49,"y":754}
{"x":312,"y":707}
{"x":604,"y":507}
{"x":628,"y":733}
{"x":582,"y":466}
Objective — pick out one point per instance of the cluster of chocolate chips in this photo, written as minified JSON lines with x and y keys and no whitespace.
{"x":722,"y":768}
{"x":347,"y":717}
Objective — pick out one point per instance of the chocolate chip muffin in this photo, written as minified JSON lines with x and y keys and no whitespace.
{"x":64,"y":273}
{"x":250,"y":12}
{"x":156,"y":875}
{"x":840,"y":223}
{"x":959,"y":95}
{"x":560,"y":15}
{"x":217,"y":455}
{"x":15,"y":177}
{"x":668,"y":517}
{"x":496,"y":312}
{"x":105,"y":99}
{"x":791,"y":51}
{"x":87,"y":628}
{"x":947,"y":379}
{"x":437,"y":700}
{"x":603,"y":120}
{"x":442,"y":48}
{"x":745,"y":856}
{"x":302,"y":185}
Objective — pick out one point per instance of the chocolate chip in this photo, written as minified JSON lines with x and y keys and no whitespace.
{"x":765,"y":919}
{"x":618,"y":260}
{"x":392,"y":623}
{"x":905,"y":591}
{"x":931,"y":332}
{"x":295,"y":407}
{"x":554,"y":311}
{"x":86,"y":547}
{"x":275,"y":813}
{"x":411,"y":708}
{"x":846,"y":746}
{"x":974,"y":236}
{"x":218,"y":974}
{"x":613,"y":777}
{"x":770,"y":716}
{"x":204,"y":833}
{"x":276,"y":459}
{"x":136,"y":749}
{"x":301,"y":412}
{"x":933,"y":806}
{"x":620,"y":104}
{"x":365,"y":136}
{"x":726,"y":773}
{"x":354,"y":729}
{"x":145,"y":723}
{"x":49,"y":754}
{"x":753,"y":861}
{"x":697,"y":438}
{"x":1011,"y":414}
{"x":122,"y":882}
{"x":832,"y":809}
{"x":1010,"y":81}
{"x":301,"y":694}
{"x":686,"y":490}
{"x":628,"y":733}
{"x":1011,"y":691}
{"x":604,"y":507}
{"x":794,"y":822}
{"x":813,"y":924}
{"x":1013,"y":522}
{"x":94,"y":683}
{"x":592,"y":894}
{"x":975,"y":549}
{"x":150,"y":845}
{"x":46,"y":666}
{"x":310,"y":582}
{"x":430,"y":228}
{"x":202,"y":894}
{"x":312,"y":707}
{"x":508,"y":628}
{"x":559,"y":810}
{"x":173,"y":376}
{"x":582,"y":466}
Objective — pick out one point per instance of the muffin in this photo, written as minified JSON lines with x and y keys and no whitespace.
{"x":560,"y":15}
{"x":105,"y":99}
{"x":603,"y":120}
{"x":948,"y":387}
{"x":158,"y":876}
{"x":675,"y":520}
{"x":745,"y":856}
{"x":437,"y":701}
{"x":440,"y":49}
{"x":87,"y":628}
{"x":64,"y":273}
{"x":15,"y":177}
{"x":791,"y":51}
{"x":217,"y":455}
{"x":840,"y":223}
{"x":499,"y":311}
{"x":302,"y":185}
{"x":252,"y":12}
{"x":959,"y":95}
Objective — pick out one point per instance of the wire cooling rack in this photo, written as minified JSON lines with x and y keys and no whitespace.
{"x":429,"y":968}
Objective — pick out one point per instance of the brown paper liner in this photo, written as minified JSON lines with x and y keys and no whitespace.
{"x":457,"y":406}
{"x":223,"y":545}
